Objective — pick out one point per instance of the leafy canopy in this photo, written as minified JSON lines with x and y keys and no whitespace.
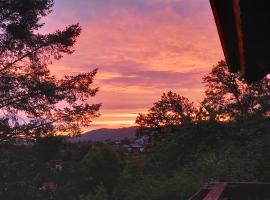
{"x":172,"y":110}
{"x":33,"y":102}
{"x":228,"y":97}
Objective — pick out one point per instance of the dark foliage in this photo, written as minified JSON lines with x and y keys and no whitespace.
{"x":33,"y":102}
{"x":175,"y":167}
{"x":171,"y":111}
{"x":229,"y":97}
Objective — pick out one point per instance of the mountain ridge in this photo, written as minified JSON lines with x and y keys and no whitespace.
{"x":103,"y":134}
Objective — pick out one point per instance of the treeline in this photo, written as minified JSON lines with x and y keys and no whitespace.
{"x":189,"y":157}
{"x":225,"y":138}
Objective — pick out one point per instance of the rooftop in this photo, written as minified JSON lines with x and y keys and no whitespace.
{"x":244,"y":31}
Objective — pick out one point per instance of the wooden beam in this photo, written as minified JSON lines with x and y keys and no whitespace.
{"x":244,"y":31}
{"x":216,"y":191}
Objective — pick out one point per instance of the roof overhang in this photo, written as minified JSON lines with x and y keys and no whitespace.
{"x":244,"y":31}
{"x":233,"y":190}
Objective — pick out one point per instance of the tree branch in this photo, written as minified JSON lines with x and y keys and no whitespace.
{"x":20,"y":58}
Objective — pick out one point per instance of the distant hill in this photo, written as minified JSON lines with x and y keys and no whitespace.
{"x":106,"y":134}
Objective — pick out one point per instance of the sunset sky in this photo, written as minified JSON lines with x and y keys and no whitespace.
{"x":142,"y":48}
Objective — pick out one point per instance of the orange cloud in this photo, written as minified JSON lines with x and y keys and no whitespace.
{"x":142,"y":48}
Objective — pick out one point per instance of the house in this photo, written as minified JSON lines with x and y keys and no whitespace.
{"x":23,"y":142}
{"x":136,"y":146}
{"x":55,"y":166}
{"x":49,"y":185}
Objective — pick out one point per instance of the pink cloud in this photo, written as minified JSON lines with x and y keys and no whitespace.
{"x":140,"y":47}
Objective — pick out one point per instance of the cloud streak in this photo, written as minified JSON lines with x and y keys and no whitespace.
{"x":142,"y":48}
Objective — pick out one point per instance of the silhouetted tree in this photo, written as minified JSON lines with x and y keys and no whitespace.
{"x":172,"y":110}
{"x":102,"y":166}
{"x":228,"y":96}
{"x":101,"y":194}
{"x":46,"y":148}
{"x":32,"y":101}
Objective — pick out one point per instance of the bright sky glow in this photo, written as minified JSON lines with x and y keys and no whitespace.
{"x":142,"y":49}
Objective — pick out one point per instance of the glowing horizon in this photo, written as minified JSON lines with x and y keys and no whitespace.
{"x":142,"y":49}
